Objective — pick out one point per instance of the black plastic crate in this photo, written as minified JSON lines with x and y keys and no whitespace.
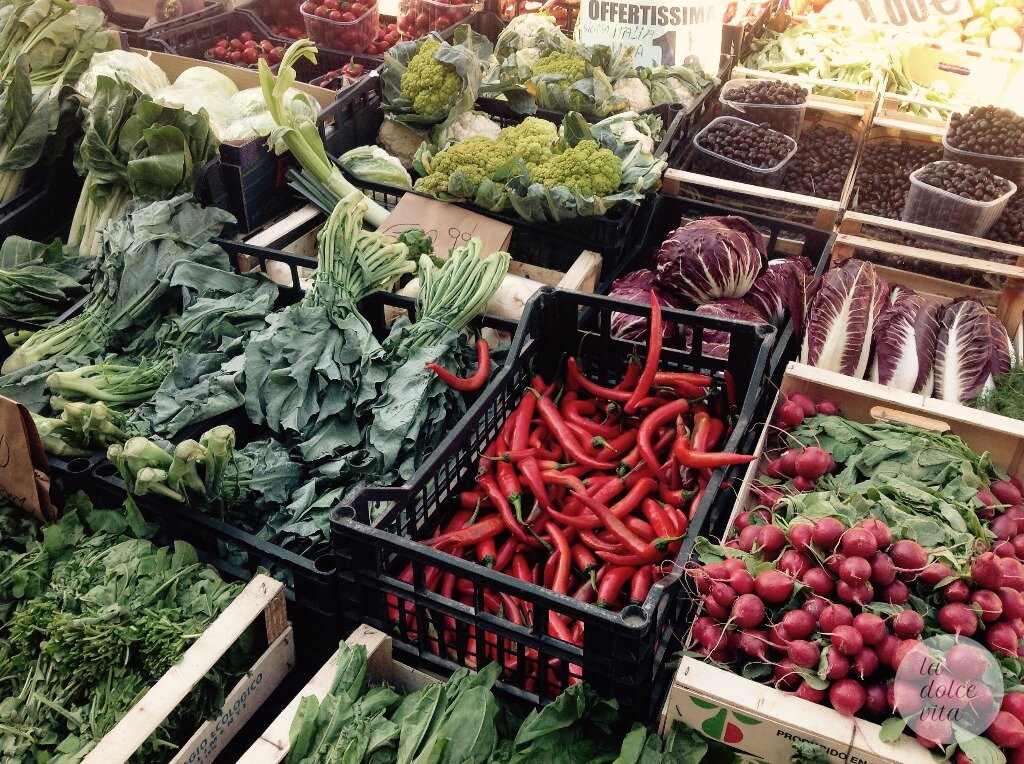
{"x":783,"y":238}
{"x":133,"y":25}
{"x":330,"y":60}
{"x":44,"y":207}
{"x":193,"y":39}
{"x":375,"y":533}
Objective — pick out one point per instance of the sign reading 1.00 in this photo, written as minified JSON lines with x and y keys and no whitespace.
{"x":909,"y":13}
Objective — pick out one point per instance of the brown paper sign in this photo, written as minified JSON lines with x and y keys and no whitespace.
{"x":448,"y":225}
{"x":24,"y":468}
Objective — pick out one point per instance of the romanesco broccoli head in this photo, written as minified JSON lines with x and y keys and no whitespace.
{"x":585,"y":169}
{"x":477,"y":157}
{"x":531,"y":139}
{"x":430,"y":84}
{"x":572,"y":65}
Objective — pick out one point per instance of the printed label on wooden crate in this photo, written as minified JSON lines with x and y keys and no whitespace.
{"x":661,"y":33}
{"x":907,"y":14}
{"x":447,"y":225}
{"x":24,"y":468}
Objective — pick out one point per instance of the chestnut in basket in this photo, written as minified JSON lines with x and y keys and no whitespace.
{"x":988,"y":130}
{"x":754,"y":145}
{"x":964,"y":180}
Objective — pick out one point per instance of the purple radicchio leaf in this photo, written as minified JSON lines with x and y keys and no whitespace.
{"x":636,"y":287}
{"x":787,"y":285}
{"x":904,"y":341}
{"x":715,"y":342}
{"x":710,"y":259}
{"x":972,"y":346}
{"x":842,"y":319}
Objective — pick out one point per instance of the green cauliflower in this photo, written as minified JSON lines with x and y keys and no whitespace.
{"x":585,"y":169}
{"x":572,"y":65}
{"x":430,"y":84}
{"x":478,"y":157}
{"x":531,"y":139}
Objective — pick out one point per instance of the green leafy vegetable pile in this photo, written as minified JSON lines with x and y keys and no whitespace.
{"x":39,"y":281}
{"x":91,"y":615}
{"x":1006,"y":396}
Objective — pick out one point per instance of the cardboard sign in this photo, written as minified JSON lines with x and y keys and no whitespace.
{"x":446,"y":224}
{"x":907,"y":14}
{"x":662,"y":32}
{"x":24,"y":468}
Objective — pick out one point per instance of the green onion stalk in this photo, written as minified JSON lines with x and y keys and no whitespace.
{"x":97,"y":205}
{"x":300,"y":134}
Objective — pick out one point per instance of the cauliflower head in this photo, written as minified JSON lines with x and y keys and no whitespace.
{"x":399,"y":141}
{"x":634,"y":92}
{"x":572,"y":65}
{"x":527,"y":26}
{"x":478,"y":157}
{"x":585,"y":169}
{"x":430,"y":84}
{"x":471,"y":124}
{"x":531,"y":139}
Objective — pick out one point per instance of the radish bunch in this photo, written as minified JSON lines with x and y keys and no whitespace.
{"x":827,"y":610}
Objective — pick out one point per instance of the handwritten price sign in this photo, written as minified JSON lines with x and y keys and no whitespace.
{"x":23,"y":464}
{"x":911,"y":13}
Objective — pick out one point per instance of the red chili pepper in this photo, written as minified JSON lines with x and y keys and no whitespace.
{"x":659,"y":518}
{"x":506,"y":552}
{"x":695,"y":503}
{"x":508,"y":482}
{"x":683,"y":389}
{"x":558,"y":629}
{"x":623,"y":507}
{"x":603,"y":491}
{"x":550,"y":568}
{"x":641,"y":528}
{"x":698,"y":460}
{"x":551,"y":417}
{"x":598,"y":544}
{"x":626,"y":537}
{"x":716,"y":429}
{"x":561,"y":478}
{"x":610,"y":587}
{"x":505,"y":512}
{"x":538,"y":383}
{"x":490,"y":526}
{"x":730,"y":389}
{"x":531,"y":473}
{"x":676,"y":498}
{"x":648,"y":427}
{"x":472,"y":500}
{"x":573,"y":416}
{"x":633,"y":371}
{"x":641,"y":585}
{"x":583,"y":436}
{"x":586,"y":592}
{"x":686,"y":377}
{"x":511,"y":609}
{"x":521,"y":569}
{"x":671,"y":473}
{"x":473,"y":382}
{"x":561,"y":583}
{"x":651,"y":556}
{"x":458,"y":520}
{"x":646,"y":380}
{"x":524,"y":416}
{"x":583,"y":559}
{"x":608,"y":393}
{"x":487,"y":552}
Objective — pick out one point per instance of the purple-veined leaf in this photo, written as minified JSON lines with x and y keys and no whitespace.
{"x":904,"y":343}
{"x":715,"y":342}
{"x":972,"y":346}
{"x":787,"y":285}
{"x":636,"y":287}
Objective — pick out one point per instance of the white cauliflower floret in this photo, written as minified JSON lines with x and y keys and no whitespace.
{"x":627,"y":133}
{"x":635,"y":92}
{"x":471,"y":124}
{"x":527,"y":26}
{"x":683,"y":94}
{"x":399,"y":141}
{"x":527,"y":58}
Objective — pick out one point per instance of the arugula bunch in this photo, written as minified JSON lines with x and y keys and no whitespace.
{"x":34,"y":126}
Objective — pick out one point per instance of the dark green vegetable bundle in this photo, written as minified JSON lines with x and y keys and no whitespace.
{"x":39,"y":281}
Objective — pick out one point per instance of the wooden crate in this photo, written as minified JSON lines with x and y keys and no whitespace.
{"x":852,"y":117}
{"x":274,"y":744}
{"x":916,"y":131}
{"x":763,"y":721}
{"x":262,"y":597}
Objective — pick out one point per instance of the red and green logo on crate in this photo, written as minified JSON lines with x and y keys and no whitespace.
{"x":723,"y":724}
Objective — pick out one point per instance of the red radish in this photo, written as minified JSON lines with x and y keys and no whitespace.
{"x":732,"y":564}
{"x":773,"y":586}
{"x":966,"y":661}
{"x":870,"y":626}
{"x":896,"y":593}
{"x":1012,"y":548}
{"x":742,"y":521}
{"x":958,"y":618}
{"x":1006,"y":492}
{"x":906,"y":648}
{"x":747,"y":611}
{"x":990,"y":604}
{"x":1004,"y":528}
{"x":861,"y":594}
{"x":815,"y":606}
{"x":934,"y":573}
{"x":749,"y":536}
{"x":794,"y":564}
{"x":754,"y":643}
{"x":827,"y":532}
{"x":778,"y":638}
{"x":859,"y":542}
{"x":799,"y":624}
{"x":886,"y":648}
{"x":878,"y":529}
{"x":806,"y":692}
{"x":1012,"y":602}
{"x":770,"y":541}
{"x":982,"y":700}
{"x":835,"y":616}
{"x":813,"y":462}
{"x":1016,"y":756}
{"x":787,"y":462}
{"x":772,"y":469}
{"x":836,"y":665}
{"x":847,"y":640}
{"x":789,"y":415}
{"x":1001,"y":639}
{"x":958,"y":591}
{"x":883,"y":572}
{"x":800,"y":536}
{"x":803,"y":653}
{"x":805,"y":403}
{"x":827,"y":407}
{"x":906,"y":698}
{"x":855,"y":570}
{"x":934,"y":732}
{"x":716,"y":571}
{"x":819,"y":580}
{"x":1013,"y":702}
{"x":803,"y":485}
{"x":908,"y":624}
{"x":768,"y":496}
{"x":986,"y":498}
{"x":835,"y":561}
{"x":1013,"y":573}
{"x":723,"y":594}
{"x":1017,"y":513}
{"x":785,"y":677}
{"x":875,"y":702}
{"x":962,"y":758}
{"x":847,"y":696}
{"x":699,"y":625}
{"x":711,"y":635}
{"x":715,"y":610}
{"x":908,"y":555}
{"x":866,"y":663}
{"x":1006,"y":731}
{"x":741,"y":581}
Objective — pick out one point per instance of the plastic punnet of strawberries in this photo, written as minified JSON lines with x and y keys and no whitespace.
{"x":419,"y":17}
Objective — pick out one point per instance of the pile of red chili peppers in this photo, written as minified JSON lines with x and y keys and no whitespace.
{"x":587,"y":490}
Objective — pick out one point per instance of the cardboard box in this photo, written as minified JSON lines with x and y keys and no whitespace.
{"x":253,"y":176}
{"x":262,"y":598}
{"x":763,"y":721}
